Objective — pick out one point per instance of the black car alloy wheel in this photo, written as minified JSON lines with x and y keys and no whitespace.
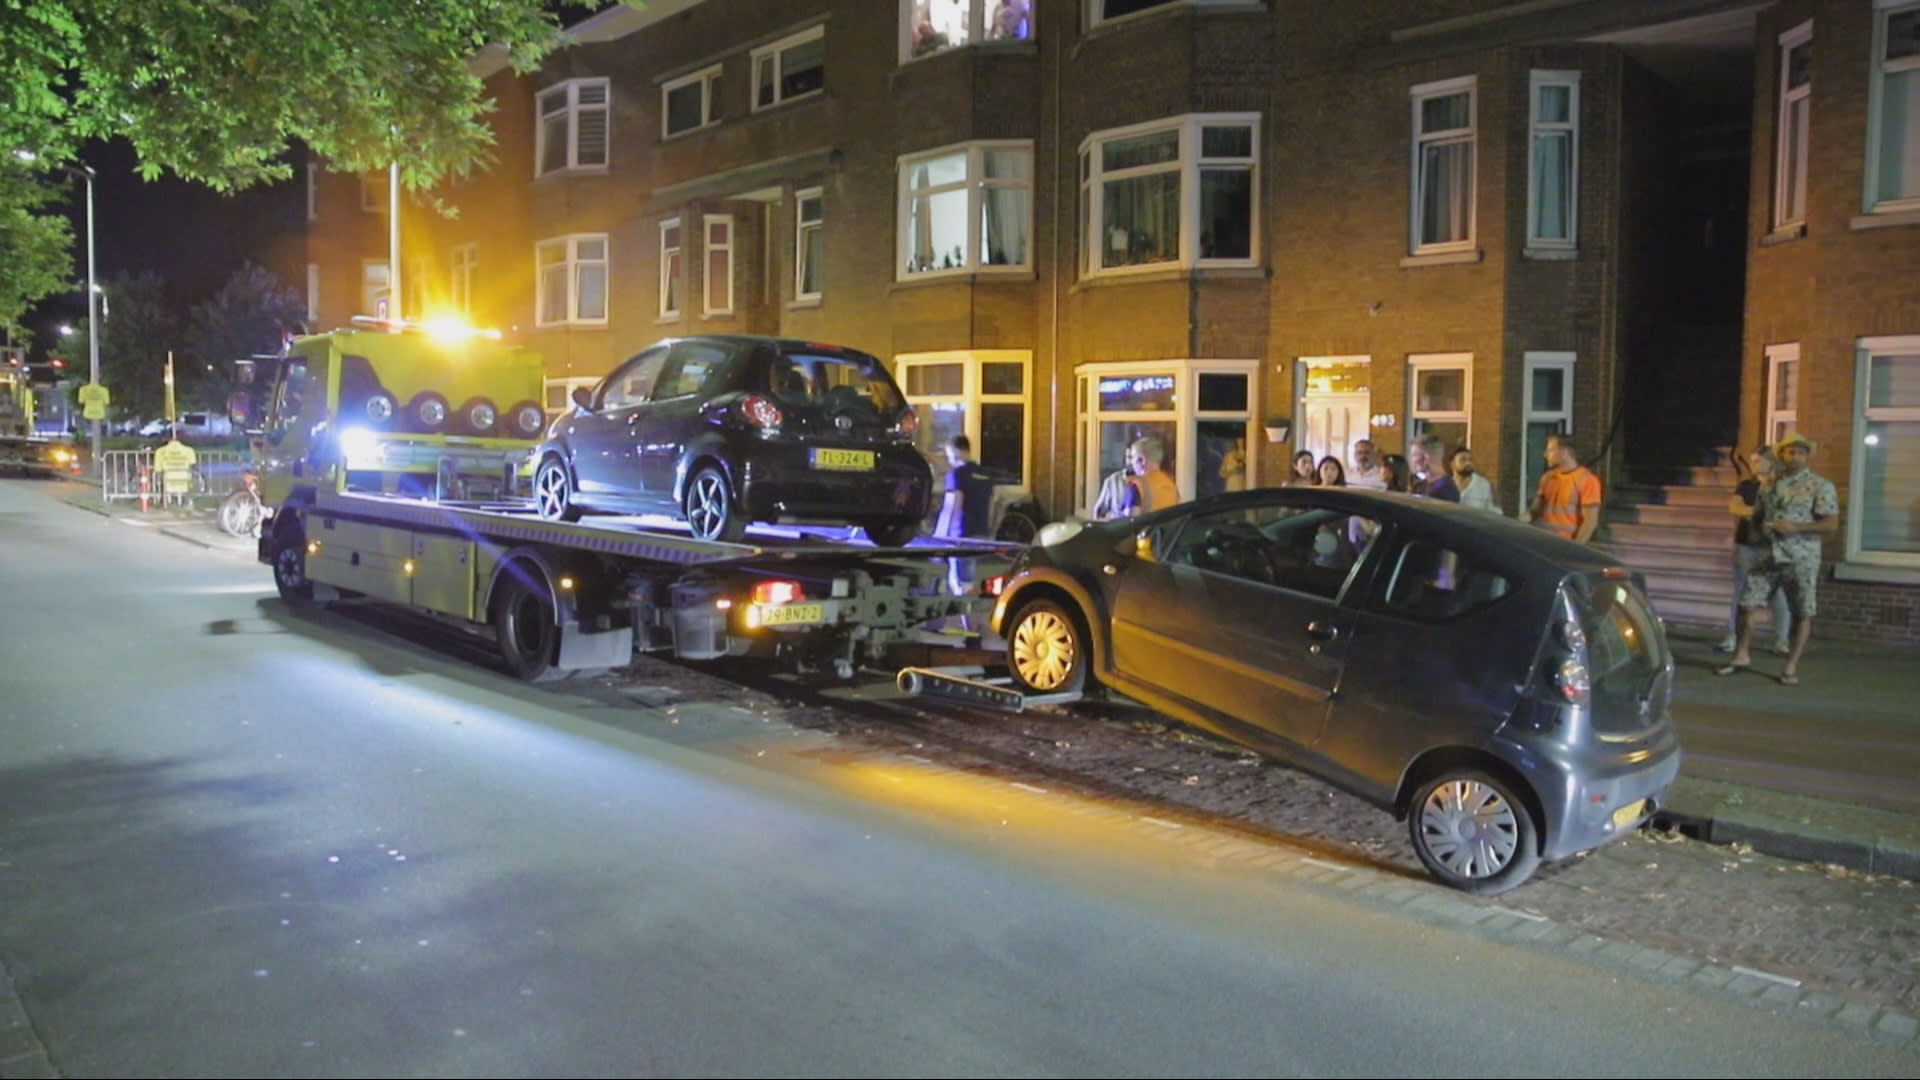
{"x":710,"y":508}
{"x":553,"y":492}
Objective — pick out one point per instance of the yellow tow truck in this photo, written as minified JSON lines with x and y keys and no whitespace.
{"x":435,"y":408}
{"x":22,"y":449}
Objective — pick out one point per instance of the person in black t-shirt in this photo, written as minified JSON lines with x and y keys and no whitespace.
{"x":1751,"y":543}
{"x":965,"y":509}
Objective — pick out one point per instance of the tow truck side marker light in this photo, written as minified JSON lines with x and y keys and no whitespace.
{"x":407,"y":567}
{"x":566,"y":582}
{"x":313,"y":547}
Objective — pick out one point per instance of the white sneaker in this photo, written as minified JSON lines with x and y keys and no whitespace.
{"x":1782,"y":648}
{"x":1726,"y":644}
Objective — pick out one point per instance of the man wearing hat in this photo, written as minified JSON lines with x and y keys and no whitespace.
{"x":1800,"y":508}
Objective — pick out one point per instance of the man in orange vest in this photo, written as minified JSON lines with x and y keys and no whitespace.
{"x":1568,"y":502}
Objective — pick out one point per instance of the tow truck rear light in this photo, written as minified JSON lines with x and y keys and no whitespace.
{"x":761,"y":412}
{"x":778,"y":592}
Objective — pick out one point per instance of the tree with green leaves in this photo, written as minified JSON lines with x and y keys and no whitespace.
{"x":250,"y":315}
{"x":35,"y":247}
{"x":216,"y":91}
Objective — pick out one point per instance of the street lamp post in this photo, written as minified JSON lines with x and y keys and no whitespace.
{"x":93,"y":324}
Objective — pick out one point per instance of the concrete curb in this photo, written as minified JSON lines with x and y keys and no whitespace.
{"x":1795,"y":827}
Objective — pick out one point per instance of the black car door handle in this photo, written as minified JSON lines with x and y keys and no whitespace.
{"x":1321,"y":631}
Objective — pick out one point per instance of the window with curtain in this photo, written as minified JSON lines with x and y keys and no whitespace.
{"x":573,"y":128}
{"x":1886,"y":494}
{"x":1790,"y":143}
{"x":966,"y":208}
{"x":572,"y":284}
{"x":1443,"y":166}
{"x":931,"y":26}
{"x":670,"y":268}
{"x":1175,"y":192}
{"x":1552,"y":167}
{"x":809,"y":243}
{"x":1893,"y":175}
{"x":690,"y":102}
{"x":718,"y":280}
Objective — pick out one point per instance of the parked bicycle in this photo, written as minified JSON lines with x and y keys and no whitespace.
{"x":240,"y":512}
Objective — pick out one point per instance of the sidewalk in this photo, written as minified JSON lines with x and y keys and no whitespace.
{"x":1826,"y":771}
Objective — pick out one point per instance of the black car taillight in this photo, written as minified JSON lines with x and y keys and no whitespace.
{"x":760,"y":412}
{"x":908,"y":425}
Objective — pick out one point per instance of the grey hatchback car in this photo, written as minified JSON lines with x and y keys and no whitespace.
{"x":1504,"y":691}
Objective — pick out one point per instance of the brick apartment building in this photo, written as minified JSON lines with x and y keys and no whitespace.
{"x":1664,"y":226}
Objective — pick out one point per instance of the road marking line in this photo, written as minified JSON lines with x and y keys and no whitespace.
{"x":1783,"y":980}
{"x":1030,"y":787}
{"x":1311,"y":861}
{"x":918,"y":758}
{"x":1162,"y":823}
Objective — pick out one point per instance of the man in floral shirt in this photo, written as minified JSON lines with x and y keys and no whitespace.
{"x":1800,"y":508}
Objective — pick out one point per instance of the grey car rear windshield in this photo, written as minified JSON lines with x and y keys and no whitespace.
{"x":1626,"y":657}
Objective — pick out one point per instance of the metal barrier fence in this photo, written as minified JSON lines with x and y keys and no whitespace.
{"x":128,"y":475}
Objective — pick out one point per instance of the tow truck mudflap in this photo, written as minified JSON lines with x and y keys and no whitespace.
{"x":971,"y":685}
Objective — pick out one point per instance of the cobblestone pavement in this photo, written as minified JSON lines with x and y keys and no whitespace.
{"x":1846,"y":934}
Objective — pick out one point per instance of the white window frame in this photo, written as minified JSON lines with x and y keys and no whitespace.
{"x":1096,"y":18}
{"x":313,"y":292}
{"x":1782,"y":418}
{"x":573,"y":109}
{"x":376,"y":283}
{"x":673,"y":269}
{"x":708,"y":80}
{"x":803,"y":230}
{"x":775,"y":54}
{"x":1878,"y":202}
{"x":569,"y":245}
{"x":976,"y":183}
{"x":1866,"y":349}
{"x":1093,"y":178}
{"x":1419,"y":140}
{"x":1532,"y":413}
{"x":971,"y":397}
{"x":462,"y":262}
{"x":1791,"y":161}
{"x":1422,"y":362}
{"x":1185,"y":417}
{"x":979,"y":23}
{"x":709,"y":248}
{"x":1538,"y":128}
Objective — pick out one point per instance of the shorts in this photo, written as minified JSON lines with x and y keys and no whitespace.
{"x":1796,"y":575}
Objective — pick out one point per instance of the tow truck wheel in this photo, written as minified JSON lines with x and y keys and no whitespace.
{"x":891,"y":534}
{"x":553,"y":492}
{"x":1046,"y":649}
{"x":428,"y":412}
{"x":524,"y":624}
{"x":710,"y":508}
{"x":526,"y":420}
{"x":290,"y":563}
{"x":380,"y":408}
{"x":478,"y":416}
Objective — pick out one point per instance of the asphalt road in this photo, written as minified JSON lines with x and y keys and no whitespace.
{"x":238,"y":841}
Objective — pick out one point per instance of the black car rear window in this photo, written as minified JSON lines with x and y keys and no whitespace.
{"x":804,"y":378}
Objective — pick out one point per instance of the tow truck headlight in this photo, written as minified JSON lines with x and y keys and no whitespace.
{"x":361,"y":447}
